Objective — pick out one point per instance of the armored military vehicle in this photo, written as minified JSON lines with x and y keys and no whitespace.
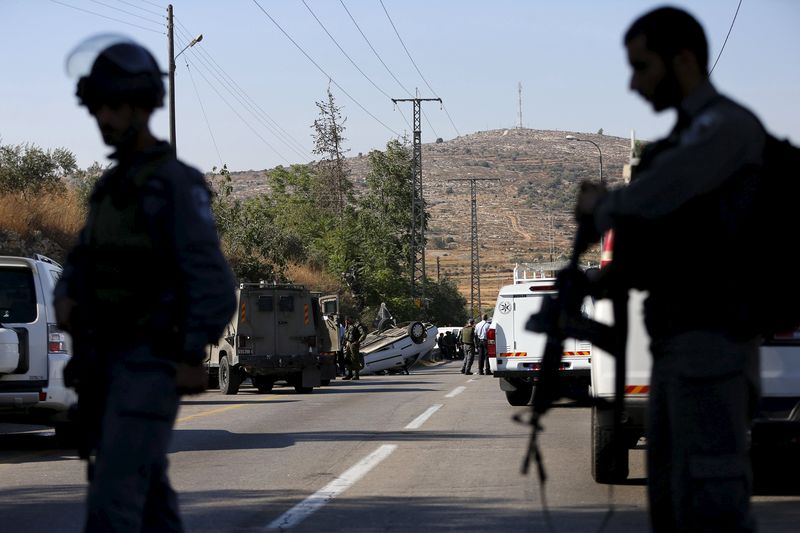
{"x":280,"y":332}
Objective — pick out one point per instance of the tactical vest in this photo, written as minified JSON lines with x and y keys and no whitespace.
{"x":125,"y":282}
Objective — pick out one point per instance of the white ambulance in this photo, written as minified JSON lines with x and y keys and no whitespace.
{"x":515,"y":354}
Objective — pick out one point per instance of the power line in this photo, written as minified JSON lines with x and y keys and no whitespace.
{"x":203,"y":109}
{"x":416,"y":67}
{"x":379,"y":121}
{"x":159,"y":22}
{"x":160,"y":14}
{"x":430,"y":125}
{"x":229,"y":87}
{"x":350,"y":59}
{"x":726,"y":37}
{"x":154,"y":4}
{"x":232,"y":108}
{"x":107,"y":17}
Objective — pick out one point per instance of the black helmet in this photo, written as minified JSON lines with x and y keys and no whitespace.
{"x":122,"y":71}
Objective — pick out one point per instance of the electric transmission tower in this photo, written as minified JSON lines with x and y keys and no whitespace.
{"x":417,"y":206}
{"x":475,"y":267}
{"x":519,"y":121}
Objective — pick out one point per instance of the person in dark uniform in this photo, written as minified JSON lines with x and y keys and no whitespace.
{"x":143,"y":293}
{"x":691,"y":189}
{"x":354,"y":335}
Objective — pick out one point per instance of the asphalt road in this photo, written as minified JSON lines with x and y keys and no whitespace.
{"x":434,"y":450}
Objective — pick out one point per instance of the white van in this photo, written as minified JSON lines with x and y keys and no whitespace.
{"x":515,"y":354}
{"x":33,"y":351}
{"x":777,"y":423}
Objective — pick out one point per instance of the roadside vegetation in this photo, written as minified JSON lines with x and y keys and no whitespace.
{"x":309,"y":228}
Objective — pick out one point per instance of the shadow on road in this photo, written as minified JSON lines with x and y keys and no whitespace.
{"x":187,"y":440}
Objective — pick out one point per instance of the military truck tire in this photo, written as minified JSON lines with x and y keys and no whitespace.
{"x":299,"y":389}
{"x":416,"y":330}
{"x":325,"y":382}
{"x":263,"y":384}
{"x":604,"y":468}
{"x":229,"y":377}
{"x":521,"y":396}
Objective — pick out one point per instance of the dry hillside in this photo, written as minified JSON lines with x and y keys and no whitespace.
{"x":524,"y":217}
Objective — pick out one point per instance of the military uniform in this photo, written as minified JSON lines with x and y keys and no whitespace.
{"x":151,"y":285}
{"x":468,"y":345}
{"x":354,"y":335}
{"x":690,"y":190}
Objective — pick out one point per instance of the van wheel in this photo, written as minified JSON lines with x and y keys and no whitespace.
{"x":263,"y":384}
{"x":416,"y":330}
{"x":606,"y":468}
{"x":521,"y":396}
{"x":229,"y":377}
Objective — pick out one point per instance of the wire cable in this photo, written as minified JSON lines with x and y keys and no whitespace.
{"x":267,"y":143}
{"x":107,"y":17}
{"x":159,"y":22}
{"x":154,"y":4}
{"x":225,"y":84}
{"x":726,"y":37}
{"x":137,"y":6}
{"x":416,"y":67}
{"x":203,"y":109}
{"x":430,"y":125}
{"x":364,"y":109}
{"x":349,"y":58}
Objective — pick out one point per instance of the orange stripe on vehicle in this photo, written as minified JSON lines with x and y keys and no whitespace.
{"x":577,"y":353}
{"x":637,"y":389}
{"x":305,"y":313}
{"x":513,"y":354}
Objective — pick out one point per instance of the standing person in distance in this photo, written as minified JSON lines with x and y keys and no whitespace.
{"x":354,"y":335}
{"x":143,"y":293}
{"x":483,"y":350}
{"x":468,"y":346}
{"x":693,"y":188}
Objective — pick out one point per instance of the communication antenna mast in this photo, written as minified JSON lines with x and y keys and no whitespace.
{"x":519,"y":114}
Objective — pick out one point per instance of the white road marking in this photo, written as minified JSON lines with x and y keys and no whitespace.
{"x":471,"y":380}
{"x":417,"y":422}
{"x":455,"y":392}
{"x":313,"y":503}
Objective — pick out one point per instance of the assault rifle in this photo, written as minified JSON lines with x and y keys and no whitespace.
{"x":560,"y":317}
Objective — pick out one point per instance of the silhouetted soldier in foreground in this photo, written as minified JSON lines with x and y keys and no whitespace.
{"x":689,"y":192}
{"x":144,"y":291}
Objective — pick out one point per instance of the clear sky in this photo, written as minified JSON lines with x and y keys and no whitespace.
{"x":247,"y":97}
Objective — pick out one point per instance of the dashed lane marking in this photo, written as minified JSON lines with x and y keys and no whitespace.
{"x":417,"y":422}
{"x":455,"y":392}
{"x":313,"y":503}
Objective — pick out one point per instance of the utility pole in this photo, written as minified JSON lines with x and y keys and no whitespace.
{"x":171,"y":74}
{"x":417,"y":206}
{"x":519,"y":122}
{"x":475,"y":268}
{"x":171,"y":54}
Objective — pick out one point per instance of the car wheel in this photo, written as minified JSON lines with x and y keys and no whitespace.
{"x":417,"y":332}
{"x":520,"y":397}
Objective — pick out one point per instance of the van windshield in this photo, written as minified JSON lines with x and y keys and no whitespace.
{"x":17,"y":295}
